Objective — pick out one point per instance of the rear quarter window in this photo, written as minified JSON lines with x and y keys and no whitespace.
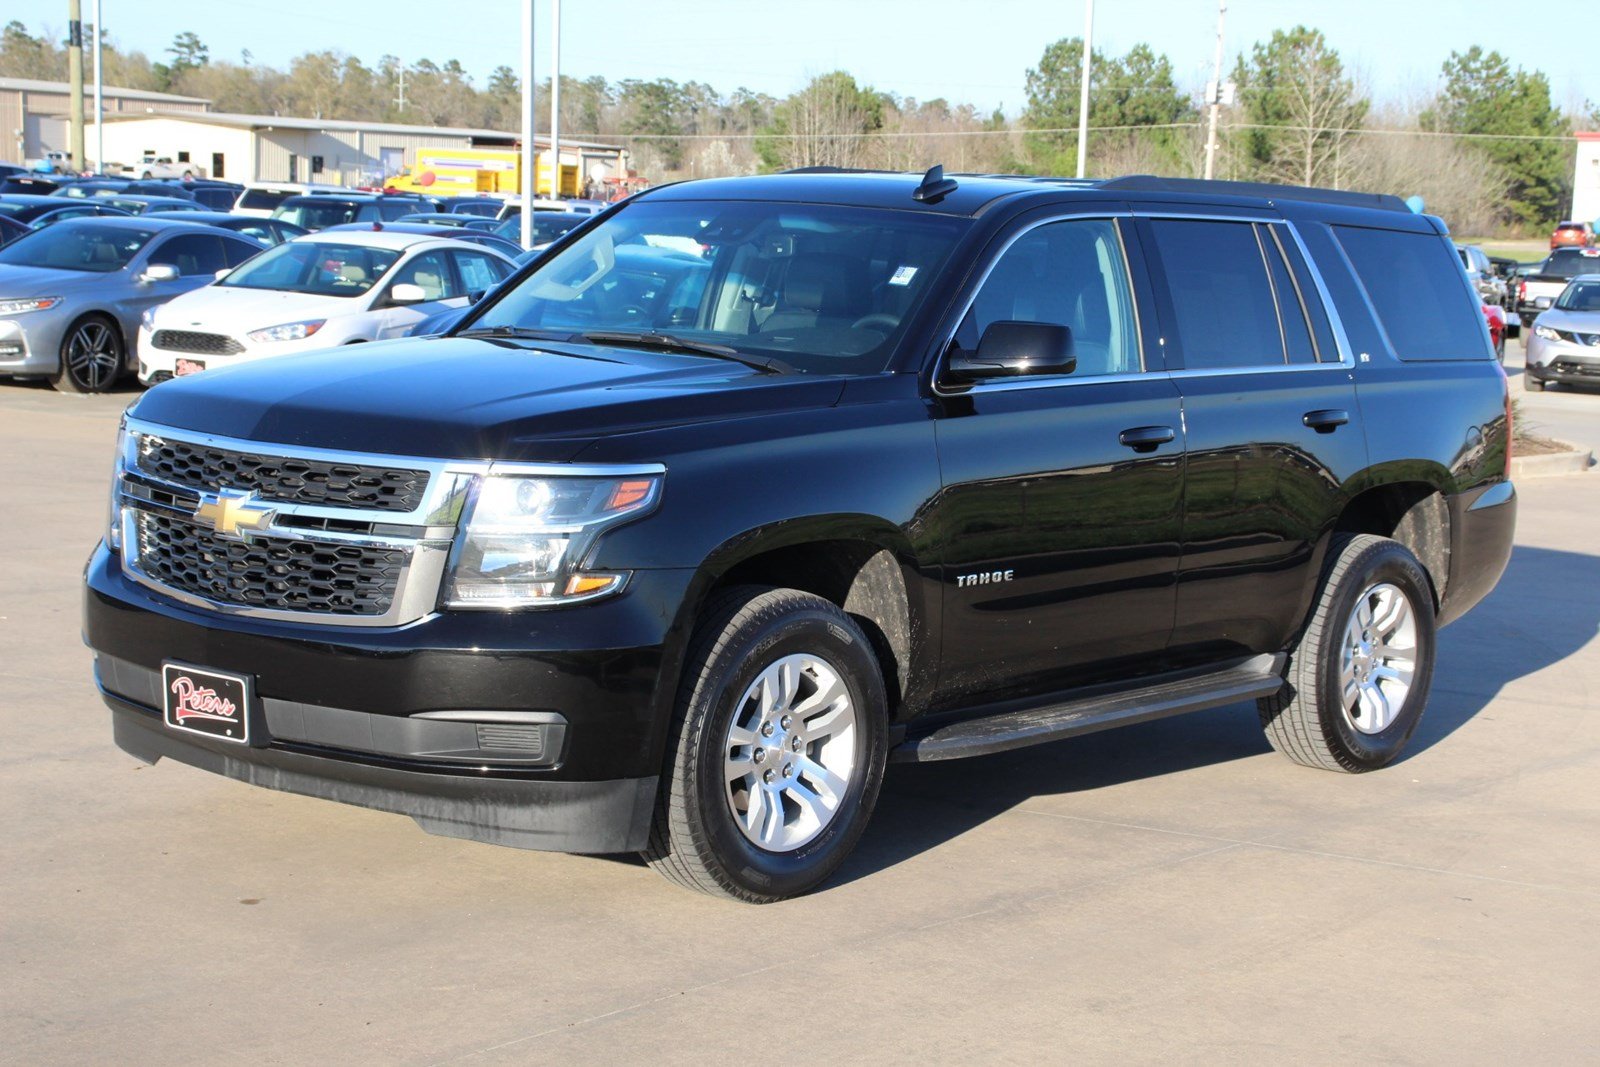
{"x":1415,"y":283}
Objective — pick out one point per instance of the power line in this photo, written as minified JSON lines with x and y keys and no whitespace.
{"x":1014,"y":130}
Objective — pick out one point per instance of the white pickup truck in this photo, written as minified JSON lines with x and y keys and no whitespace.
{"x":164,"y":167}
{"x":1538,"y":288}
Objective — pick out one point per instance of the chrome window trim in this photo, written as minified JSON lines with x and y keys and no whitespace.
{"x":1043,"y":381}
{"x":429,"y":529}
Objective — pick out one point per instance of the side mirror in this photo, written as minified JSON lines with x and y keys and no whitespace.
{"x":1010,"y":349}
{"x":476,"y":295}
{"x":406,"y":293}
{"x":224,"y":272}
{"x":159,"y":272}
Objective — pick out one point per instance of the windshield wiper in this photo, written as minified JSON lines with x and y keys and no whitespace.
{"x":673,"y":343}
{"x":517,"y":331}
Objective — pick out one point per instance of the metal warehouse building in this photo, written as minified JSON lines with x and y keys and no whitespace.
{"x":33,"y":114}
{"x":278,"y":148}
{"x":1586,"y":180}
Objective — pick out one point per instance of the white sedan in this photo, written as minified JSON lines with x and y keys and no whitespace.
{"x":316,"y":291}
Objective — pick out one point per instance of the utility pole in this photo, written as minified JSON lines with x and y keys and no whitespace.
{"x":400,"y":100}
{"x":1083,"y":90}
{"x":530,"y":158}
{"x":99,"y":99}
{"x":75,"y":79}
{"x":1216,"y":94}
{"x":555,"y":99}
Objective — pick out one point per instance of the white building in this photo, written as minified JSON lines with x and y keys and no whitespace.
{"x":277,"y":148}
{"x":1586,"y":180}
{"x":34,"y":114}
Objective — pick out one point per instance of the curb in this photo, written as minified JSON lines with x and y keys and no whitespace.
{"x":1576,"y":461}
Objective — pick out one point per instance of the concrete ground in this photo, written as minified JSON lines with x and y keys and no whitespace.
{"x":1172,"y":892}
{"x":1569,"y":412}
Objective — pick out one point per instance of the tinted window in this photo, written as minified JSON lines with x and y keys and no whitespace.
{"x":1416,"y":286}
{"x":390,"y":210}
{"x":1291,"y":311}
{"x":263,"y":199}
{"x":431,"y":272}
{"x":1222,"y":299}
{"x":239,"y":251}
{"x":191,"y":253}
{"x":1310,"y":298}
{"x":1580,"y":296}
{"x":318,"y":213}
{"x":478,"y":271}
{"x":1571,"y":262}
{"x":77,"y":246}
{"x":1068,"y":273}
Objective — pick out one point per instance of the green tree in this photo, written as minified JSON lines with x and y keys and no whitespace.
{"x":188,"y":53}
{"x":22,"y":55}
{"x":825,"y":124}
{"x":1125,"y":93}
{"x":1297,"y":83}
{"x":1482,"y":94}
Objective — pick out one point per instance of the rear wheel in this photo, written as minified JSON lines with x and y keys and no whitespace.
{"x":777,"y":752}
{"x":1358,"y":679}
{"x":91,"y":356}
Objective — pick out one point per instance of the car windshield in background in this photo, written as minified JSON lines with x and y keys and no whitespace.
{"x":1572,"y":262}
{"x":1580,"y":296}
{"x":263,"y":199}
{"x":826,"y":290}
{"x":320,"y":267}
{"x":318,"y":214}
{"x":66,"y":246}
{"x":548,"y":226}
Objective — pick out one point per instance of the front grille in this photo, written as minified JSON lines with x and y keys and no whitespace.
{"x":210,"y":344}
{"x":272,"y":477}
{"x":1568,"y":366}
{"x":282,"y":574}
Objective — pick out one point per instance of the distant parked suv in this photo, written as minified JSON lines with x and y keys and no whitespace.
{"x":756,"y":485}
{"x":1572,"y":234}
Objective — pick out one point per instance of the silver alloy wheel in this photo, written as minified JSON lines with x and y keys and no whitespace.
{"x":790,"y":752}
{"x":1378,"y":658}
{"x":93,"y":360}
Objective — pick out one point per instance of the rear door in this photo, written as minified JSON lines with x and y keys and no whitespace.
{"x":1274,"y":433}
{"x":435,"y":274}
{"x":1062,"y":498}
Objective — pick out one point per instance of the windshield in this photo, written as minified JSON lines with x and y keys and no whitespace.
{"x":66,"y":246}
{"x":323,"y":268}
{"x":548,"y":226}
{"x":1581,"y":296}
{"x":318,"y":214}
{"x":824,"y":289}
{"x":1573,"y":262}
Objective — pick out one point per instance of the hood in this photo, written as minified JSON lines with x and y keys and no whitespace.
{"x":1575,"y":321}
{"x":18,"y":281}
{"x":236,"y":309}
{"x":471,"y":398}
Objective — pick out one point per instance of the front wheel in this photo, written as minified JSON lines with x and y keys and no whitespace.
{"x":778,"y":748}
{"x":91,"y":357}
{"x":1358,"y":679}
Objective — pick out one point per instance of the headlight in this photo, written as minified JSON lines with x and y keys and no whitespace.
{"x":147,"y":318}
{"x":123,"y":459}
{"x":289,"y":331}
{"x":1547,"y":333}
{"x":524,"y":539}
{"x":35,"y":303}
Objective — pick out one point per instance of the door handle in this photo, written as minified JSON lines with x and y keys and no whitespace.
{"x":1326,"y":421}
{"x":1147,"y":438}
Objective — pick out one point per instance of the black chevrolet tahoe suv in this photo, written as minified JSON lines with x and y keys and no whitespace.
{"x":752,"y":486}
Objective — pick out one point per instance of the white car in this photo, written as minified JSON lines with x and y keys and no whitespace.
{"x":163,"y":167}
{"x":316,"y":291}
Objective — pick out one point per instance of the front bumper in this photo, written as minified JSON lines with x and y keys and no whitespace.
{"x":1483,"y":525}
{"x":1562,"y":361}
{"x":30,"y":344}
{"x":155,"y":361}
{"x":351,"y":713}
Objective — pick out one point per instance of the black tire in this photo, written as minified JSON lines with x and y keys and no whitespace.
{"x":695,"y":840}
{"x":1306,"y":720}
{"x":145,"y":176}
{"x":188,"y":175}
{"x":92,"y":356}
{"x":1532,"y":384}
{"x":1527,"y":321}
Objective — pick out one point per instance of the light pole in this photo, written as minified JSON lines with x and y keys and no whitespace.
{"x":1216,"y":94}
{"x":75,"y":80}
{"x":530,"y":157}
{"x":1083,"y":89}
{"x":99,"y":100}
{"x":555,"y":99}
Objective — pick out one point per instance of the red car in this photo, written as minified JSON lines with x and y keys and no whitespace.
{"x":1572,"y":234}
{"x":1495,"y":315}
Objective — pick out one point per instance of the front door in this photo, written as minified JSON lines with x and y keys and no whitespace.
{"x":1061,"y":505}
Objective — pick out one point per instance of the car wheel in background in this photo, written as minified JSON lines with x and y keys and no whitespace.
{"x":1532,"y":384}
{"x":91,"y":356}
{"x":1358,"y":679}
{"x":778,"y":748}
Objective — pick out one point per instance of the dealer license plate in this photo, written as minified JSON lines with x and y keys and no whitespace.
{"x":210,"y":703}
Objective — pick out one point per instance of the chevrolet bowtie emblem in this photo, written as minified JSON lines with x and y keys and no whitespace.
{"x":230,"y":512}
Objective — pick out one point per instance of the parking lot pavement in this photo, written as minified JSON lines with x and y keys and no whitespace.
{"x":1571,"y":413}
{"x":1173,"y":890}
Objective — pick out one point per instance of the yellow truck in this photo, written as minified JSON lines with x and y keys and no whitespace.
{"x":475,"y":171}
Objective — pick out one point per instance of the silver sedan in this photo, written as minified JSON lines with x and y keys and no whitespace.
{"x":71,"y":294}
{"x":1565,"y":345}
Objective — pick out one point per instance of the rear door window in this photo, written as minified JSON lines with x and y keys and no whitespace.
{"x":1415,"y":284}
{"x":1224,"y":310}
{"x":192,"y":254}
{"x":480,"y":272}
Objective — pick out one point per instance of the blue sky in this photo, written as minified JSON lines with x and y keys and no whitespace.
{"x":972,"y":50}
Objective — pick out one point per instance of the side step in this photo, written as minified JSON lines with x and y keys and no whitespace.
{"x":1017,"y":724}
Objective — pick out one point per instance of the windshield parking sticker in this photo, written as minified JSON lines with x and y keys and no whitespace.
{"x":903,"y":276}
